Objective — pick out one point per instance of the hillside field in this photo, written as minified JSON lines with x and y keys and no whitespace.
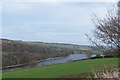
{"x":61,"y":70}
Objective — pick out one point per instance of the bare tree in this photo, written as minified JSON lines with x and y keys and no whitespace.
{"x":107,"y":30}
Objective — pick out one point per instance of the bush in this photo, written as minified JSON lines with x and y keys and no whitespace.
{"x":98,"y":55}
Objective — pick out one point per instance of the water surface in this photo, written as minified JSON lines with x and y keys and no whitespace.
{"x":71,"y":57}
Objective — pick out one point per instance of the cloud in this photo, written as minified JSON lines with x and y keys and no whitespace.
{"x":16,"y":7}
{"x":0,"y":19}
{"x":51,"y":22}
{"x":52,"y":15}
{"x":60,"y":0}
{"x":49,"y":9}
{"x":73,"y":38}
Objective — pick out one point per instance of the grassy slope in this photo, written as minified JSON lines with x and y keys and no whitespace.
{"x":59,"y":45}
{"x":55,"y":46}
{"x":59,"y":70}
{"x":62,"y":45}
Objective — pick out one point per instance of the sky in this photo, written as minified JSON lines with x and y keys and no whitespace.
{"x":54,"y":22}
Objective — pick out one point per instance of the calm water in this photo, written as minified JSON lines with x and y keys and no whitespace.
{"x":69,"y":58}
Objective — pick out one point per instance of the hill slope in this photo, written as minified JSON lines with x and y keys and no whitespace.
{"x":61,"y":70}
{"x":20,"y":52}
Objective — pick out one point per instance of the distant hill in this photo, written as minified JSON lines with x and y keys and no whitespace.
{"x":22,"y":46}
{"x":20,"y":52}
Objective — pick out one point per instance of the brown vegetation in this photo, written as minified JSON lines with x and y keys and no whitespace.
{"x":19,"y":52}
{"x":113,"y":73}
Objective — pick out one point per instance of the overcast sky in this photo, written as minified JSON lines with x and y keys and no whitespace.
{"x":54,"y":22}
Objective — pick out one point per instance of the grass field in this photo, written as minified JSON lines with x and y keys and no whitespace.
{"x":59,"y":70}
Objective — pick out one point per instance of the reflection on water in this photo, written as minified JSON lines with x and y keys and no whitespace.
{"x":69,"y":58}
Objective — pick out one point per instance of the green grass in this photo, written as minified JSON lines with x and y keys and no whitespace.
{"x":59,"y":70}
{"x":58,"y":45}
